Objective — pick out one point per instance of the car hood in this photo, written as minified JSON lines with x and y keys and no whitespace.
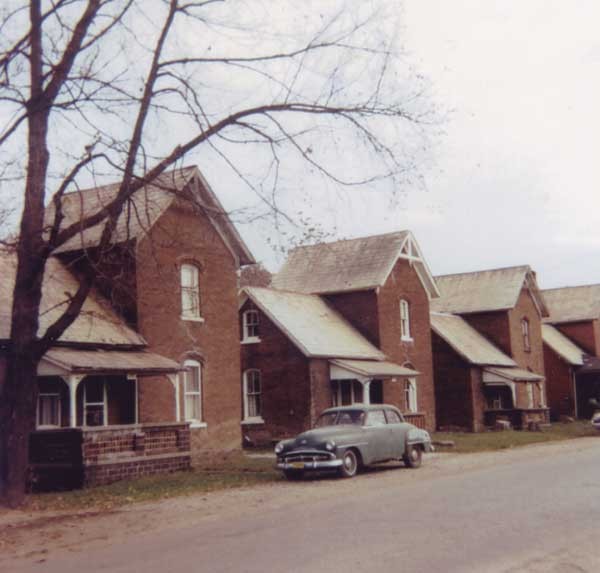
{"x":318,"y":436}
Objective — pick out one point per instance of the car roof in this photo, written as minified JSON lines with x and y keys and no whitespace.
{"x":366,"y":407}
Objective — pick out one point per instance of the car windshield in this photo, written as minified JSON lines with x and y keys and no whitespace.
{"x":355,"y":417}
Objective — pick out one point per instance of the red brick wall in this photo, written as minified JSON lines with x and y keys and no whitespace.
{"x":534,"y":359}
{"x":404,"y":283}
{"x":585,"y":334}
{"x":285,"y":382}
{"x":361,"y":310}
{"x":453,"y":387}
{"x":182,"y":235}
{"x":493,"y":325}
{"x":559,"y":385}
{"x":320,"y":387}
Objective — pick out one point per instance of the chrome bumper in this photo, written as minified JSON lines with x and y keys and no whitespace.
{"x":310,"y":465}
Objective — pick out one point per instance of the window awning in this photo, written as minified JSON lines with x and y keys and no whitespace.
{"x":513,"y":374}
{"x":72,"y":361}
{"x":343,"y":369}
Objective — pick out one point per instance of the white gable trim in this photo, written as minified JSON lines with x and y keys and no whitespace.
{"x":409,"y":250}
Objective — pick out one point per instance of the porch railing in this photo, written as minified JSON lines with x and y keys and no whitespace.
{"x":71,"y":457}
{"x":417,"y":419}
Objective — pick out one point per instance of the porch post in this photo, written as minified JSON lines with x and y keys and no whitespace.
{"x":366,"y":394}
{"x":73,"y":382}
{"x":174,"y":379}
{"x":134,"y":379}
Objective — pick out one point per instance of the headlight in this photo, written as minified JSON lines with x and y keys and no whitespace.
{"x":279,"y":448}
{"x":330,"y":446}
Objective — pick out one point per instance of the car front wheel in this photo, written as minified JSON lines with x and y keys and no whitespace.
{"x":349,"y":466}
{"x":413,"y":457}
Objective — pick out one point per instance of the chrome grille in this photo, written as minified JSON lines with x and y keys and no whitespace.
{"x":307,"y":457}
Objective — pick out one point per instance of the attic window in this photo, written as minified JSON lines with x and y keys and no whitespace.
{"x":525,"y":332}
{"x":190,"y":292}
{"x":404,"y":320}
{"x":250,"y":324}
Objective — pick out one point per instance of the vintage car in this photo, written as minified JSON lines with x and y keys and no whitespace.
{"x":348,"y":437}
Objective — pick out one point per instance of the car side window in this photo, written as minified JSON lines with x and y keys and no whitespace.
{"x":393,"y":417}
{"x":376,"y":418}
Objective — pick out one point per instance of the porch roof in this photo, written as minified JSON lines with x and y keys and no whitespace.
{"x":591,"y":365}
{"x":560,"y":344}
{"x":374,"y":369}
{"x":515,"y":374}
{"x":109,"y":361}
{"x":468,"y":342}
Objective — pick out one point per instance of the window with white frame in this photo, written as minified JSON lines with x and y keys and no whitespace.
{"x":250,"y":320}
{"x":410,"y":394}
{"x":404,"y":320}
{"x":48,"y":410}
{"x":95,"y":411}
{"x":192,"y":391}
{"x":190,"y":291}
{"x":346,"y":392}
{"x":525,"y":331}
{"x":252,"y":395}
{"x":530,"y":402}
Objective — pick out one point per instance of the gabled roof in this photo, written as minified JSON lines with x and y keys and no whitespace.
{"x":351,"y":265}
{"x":563,"y":346}
{"x":97,"y":323}
{"x":572,"y":304}
{"x":144,"y":209}
{"x":486,"y":291}
{"x":312,"y":325}
{"x":467,"y":342}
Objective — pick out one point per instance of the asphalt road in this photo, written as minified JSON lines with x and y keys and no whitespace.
{"x":538,"y":513}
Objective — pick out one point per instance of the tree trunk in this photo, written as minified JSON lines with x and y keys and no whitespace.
{"x":17,"y":420}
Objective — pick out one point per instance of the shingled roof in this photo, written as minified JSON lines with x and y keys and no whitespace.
{"x":572,"y":304}
{"x":467,"y":342}
{"x":312,"y":325}
{"x":486,"y":291}
{"x":97,"y":323}
{"x":351,"y":265}
{"x":144,"y":208}
{"x":563,"y":346}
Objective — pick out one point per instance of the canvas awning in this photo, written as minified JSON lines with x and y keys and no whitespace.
{"x":75,"y":361}
{"x":343,"y":369}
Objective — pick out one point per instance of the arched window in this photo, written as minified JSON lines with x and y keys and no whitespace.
{"x":404,"y":320}
{"x":250,"y":320}
{"x":525,"y":331}
{"x":410,"y":395}
{"x":252,"y":395}
{"x":192,"y":391}
{"x":190,"y":291}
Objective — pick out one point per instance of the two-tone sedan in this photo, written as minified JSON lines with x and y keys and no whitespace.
{"x":349,"y":437}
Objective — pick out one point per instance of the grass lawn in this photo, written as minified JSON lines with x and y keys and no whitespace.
{"x":488,"y":441}
{"x":232,"y":471}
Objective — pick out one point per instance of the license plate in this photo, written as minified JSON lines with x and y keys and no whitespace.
{"x":297,"y":465}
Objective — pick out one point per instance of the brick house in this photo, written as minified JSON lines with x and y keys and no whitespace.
{"x":151,"y":367}
{"x":487,"y":349}
{"x":344,"y":322}
{"x":571,"y":350}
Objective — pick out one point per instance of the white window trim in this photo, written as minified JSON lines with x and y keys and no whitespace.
{"x":410,"y":395}
{"x":337,"y":394}
{"x":250,"y":419}
{"x":405,"y":317}
{"x":526,"y":336}
{"x":194,"y":422}
{"x":191,"y":316}
{"x":245,"y":338}
{"x":37,"y":412}
{"x":104,"y":405}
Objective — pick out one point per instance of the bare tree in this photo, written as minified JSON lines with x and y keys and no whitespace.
{"x":126,"y":89}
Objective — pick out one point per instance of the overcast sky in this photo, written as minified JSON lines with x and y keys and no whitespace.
{"x":515,"y":178}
